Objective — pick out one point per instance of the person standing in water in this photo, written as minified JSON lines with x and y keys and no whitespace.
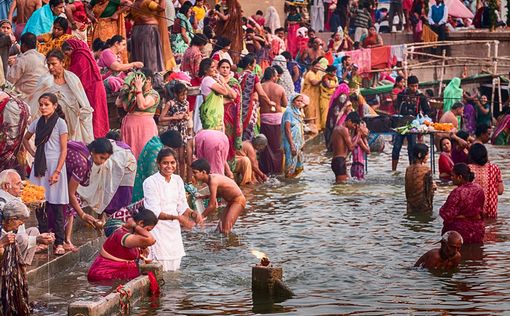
{"x":447,"y":257}
{"x":419,"y":185}
{"x":220,"y":186}
{"x":342,"y":144}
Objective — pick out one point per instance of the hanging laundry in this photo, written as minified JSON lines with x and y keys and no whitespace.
{"x":381,"y":57}
{"x":397,"y":53}
{"x":361,"y":57}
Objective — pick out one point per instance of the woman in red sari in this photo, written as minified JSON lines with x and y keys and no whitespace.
{"x":121,"y":251}
{"x":445,"y":159}
{"x":85,"y":67}
{"x":463,"y":210}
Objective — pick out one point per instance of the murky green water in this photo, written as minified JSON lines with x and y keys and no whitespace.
{"x":344,"y":249}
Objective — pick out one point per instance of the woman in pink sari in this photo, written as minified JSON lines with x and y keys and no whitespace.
{"x":120,"y":252}
{"x":85,"y":67}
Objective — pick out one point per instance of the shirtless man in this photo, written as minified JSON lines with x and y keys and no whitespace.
{"x":342,"y":144}
{"x":445,"y":258}
{"x":249,"y":149}
{"x":24,"y":9}
{"x":220,"y":186}
{"x":450,"y":117}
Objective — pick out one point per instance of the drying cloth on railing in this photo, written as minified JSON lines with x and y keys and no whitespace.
{"x":380,"y":57}
{"x":428,"y":35}
{"x":397,"y":53}
{"x":361,"y":57}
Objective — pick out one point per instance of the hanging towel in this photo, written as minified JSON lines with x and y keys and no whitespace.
{"x":397,"y":53}
{"x":381,"y":57}
{"x":361,"y":57}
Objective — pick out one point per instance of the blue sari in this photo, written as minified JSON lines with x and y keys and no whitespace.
{"x":41,"y":21}
{"x":293,"y":164}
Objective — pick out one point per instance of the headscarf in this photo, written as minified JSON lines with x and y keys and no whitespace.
{"x":343,"y":88}
{"x":452,"y":94}
{"x":505,"y":122}
{"x":272,"y":19}
{"x":302,"y":31}
{"x":83,"y":63}
{"x":323,"y":62}
{"x":286,"y":79}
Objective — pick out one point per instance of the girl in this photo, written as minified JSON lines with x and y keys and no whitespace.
{"x":445,"y":160}
{"x":49,"y":170}
{"x":165,"y":196}
{"x":418,"y":181}
{"x":176,"y":114}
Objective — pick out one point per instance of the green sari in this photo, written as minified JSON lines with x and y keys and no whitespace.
{"x":452,"y":94}
{"x":212,"y":112}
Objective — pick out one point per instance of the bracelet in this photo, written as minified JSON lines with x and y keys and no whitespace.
{"x":138,"y":92}
{"x":58,"y":172}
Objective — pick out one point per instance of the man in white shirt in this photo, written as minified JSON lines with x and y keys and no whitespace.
{"x":438,"y":16}
{"x":14,"y":213}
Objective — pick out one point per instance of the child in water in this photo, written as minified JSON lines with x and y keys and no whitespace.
{"x":220,"y":186}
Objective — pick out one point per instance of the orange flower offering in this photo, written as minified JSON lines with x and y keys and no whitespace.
{"x":32,"y":193}
{"x":446,"y":127}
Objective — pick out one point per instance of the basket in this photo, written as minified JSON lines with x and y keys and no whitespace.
{"x":436,"y":104}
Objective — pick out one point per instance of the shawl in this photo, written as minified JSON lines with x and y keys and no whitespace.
{"x":452,"y":94}
{"x":79,"y":120}
{"x":14,"y":283}
{"x":42,"y":135}
{"x":286,"y":79}
{"x":272,"y":19}
{"x":83,"y":63}
{"x":41,"y":21}
{"x":118,"y":170}
{"x":343,"y":88}
{"x":418,"y":187}
{"x":505,"y":123}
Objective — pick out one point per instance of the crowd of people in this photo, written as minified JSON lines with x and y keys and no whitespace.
{"x":208,"y":101}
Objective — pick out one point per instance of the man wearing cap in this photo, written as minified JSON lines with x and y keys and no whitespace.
{"x":447,"y":257}
{"x":14,"y":213}
{"x":410,"y":102}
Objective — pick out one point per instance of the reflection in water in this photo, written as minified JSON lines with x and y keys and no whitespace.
{"x":345,"y":249}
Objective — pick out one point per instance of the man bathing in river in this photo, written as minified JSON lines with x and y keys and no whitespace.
{"x":445,"y":258}
{"x":220,"y":186}
{"x":342,"y":144}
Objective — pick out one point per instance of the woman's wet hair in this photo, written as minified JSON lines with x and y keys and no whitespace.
{"x":113,"y":40}
{"x":287,"y":55}
{"x":278,"y":69}
{"x":205,"y":64}
{"x":172,"y":139}
{"x":221,"y":42}
{"x":441,"y":142}
{"x":461,"y":169}
{"x":55,"y":53}
{"x":54,"y":100}
{"x":223,"y":61}
{"x":419,"y":152}
{"x":185,"y":7}
{"x":101,"y":146}
{"x":166,"y":152}
{"x":146,"y":216}
{"x":62,"y":22}
{"x":201,"y":165}
{"x":478,"y":154}
{"x":98,"y":45}
{"x":247,"y":60}
{"x":462,"y":135}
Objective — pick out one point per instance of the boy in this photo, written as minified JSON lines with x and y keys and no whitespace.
{"x":342,"y":144}
{"x":220,"y":186}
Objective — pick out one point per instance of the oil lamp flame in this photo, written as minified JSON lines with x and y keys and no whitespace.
{"x":258,"y":254}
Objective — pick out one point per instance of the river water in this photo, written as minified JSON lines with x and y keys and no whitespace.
{"x":345,"y":249}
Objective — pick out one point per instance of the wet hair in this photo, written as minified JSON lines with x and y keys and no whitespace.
{"x":269,"y":73}
{"x":29,"y":40}
{"x":412,"y":80}
{"x":463,"y":170}
{"x":113,"y":135}
{"x":146,"y":216}
{"x":98,"y":45}
{"x":185,"y":7}
{"x":223,"y":61}
{"x":315,"y":62}
{"x":353,"y":117}
{"x":246,"y":61}
{"x":221,"y":42}
{"x":457,"y":105}
{"x":62,"y":22}
{"x":419,"y":152}
{"x":201,"y":165}
{"x":165,"y":152}
{"x":113,"y":40}
{"x":280,"y":29}
{"x":278,"y":69}
{"x":398,"y":79}
{"x":478,"y":154}
{"x":54,"y":3}
{"x":287,"y":55}
{"x":205,"y":64}
{"x":55,"y":53}
{"x":149,"y":74}
{"x":441,"y":142}
{"x":53,"y":99}
{"x":463,"y":135}
{"x":481,"y":129}
{"x":172,"y":139}
{"x":259,"y":12}
{"x":198,"y":40}
{"x":101,"y":146}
